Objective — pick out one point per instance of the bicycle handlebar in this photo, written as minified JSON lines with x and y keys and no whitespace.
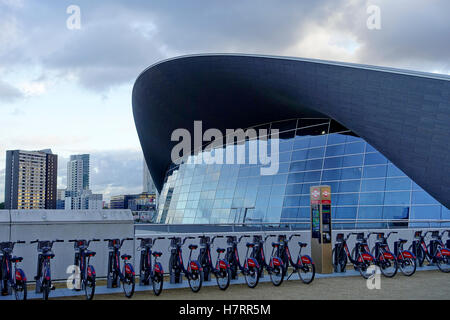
{"x":294,"y":235}
{"x":186,"y":238}
{"x":244,"y":236}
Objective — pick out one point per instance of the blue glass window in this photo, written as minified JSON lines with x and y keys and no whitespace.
{"x":421,"y":197}
{"x":299,"y":155}
{"x":349,"y":186}
{"x":335,"y":162}
{"x":374,"y":172}
{"x":336,"y":138}
{"x":398,"y":184}
{"x":297,"y":166}
{"x":346,"y":199}
{"x":345,"y":212}
{"x":311,"y":176}
{"x":336,"y":150}
{"x":371,"y":198}
{"x":372,"y":212}
{"x":354,"y":148}
{"x":351,"y":173}
{"x":394,"y":213}
{"x":296,"y":177}
{"x":352,"y":161}
{"x":301,"y":142}
{"x":316,"y":153}
{"x":294,"y":189}
{"x":334,"y":174}
{"x":373,"y":185}
{"x":426,"y":212}
{"x":396,"y":198}
{"x":375,"y":158}
{"x":314,"y":164}
{"x":393,"y":171}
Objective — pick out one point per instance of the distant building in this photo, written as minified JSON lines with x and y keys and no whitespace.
{"x":78,"y":196}
{"x":147,"y":183}
{"x":135,"y":202}
{"x":60,"y":199}
{"x":30,"y":179}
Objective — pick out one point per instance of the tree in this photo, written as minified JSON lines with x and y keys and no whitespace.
{"x":2,"y":205}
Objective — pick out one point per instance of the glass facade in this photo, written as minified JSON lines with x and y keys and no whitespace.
{"x":365,"y":185}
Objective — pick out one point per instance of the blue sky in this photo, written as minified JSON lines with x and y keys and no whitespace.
{"x":70,"y":90}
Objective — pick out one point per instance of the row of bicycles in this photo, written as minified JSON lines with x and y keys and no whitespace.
{"x":228,"y":265}
{"x":389,"y":262}
{"x":15,"y":280}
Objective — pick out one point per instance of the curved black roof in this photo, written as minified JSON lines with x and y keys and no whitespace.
{"x":404,"y":114}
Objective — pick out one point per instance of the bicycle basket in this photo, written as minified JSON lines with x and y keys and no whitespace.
{"x":435,"y":234}
{"x":80,"y":243}
{"x":340,"y":237}
{"x":380,"y":236}
{"x":6,"y":245}
{"x":281,"y":237}
{"x":418,"y":234}
{"x":360,"y":236}
{"x":231,"y":240}
{"x":204,"y":241}
{"x":146,"y":242}
{"x":257,"y":239}
{"x":44,"y":245}
{"x":113,"y":244}
{"x":174,"y":242}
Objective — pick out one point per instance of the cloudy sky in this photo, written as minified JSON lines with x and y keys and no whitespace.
{"x":70,"y":89}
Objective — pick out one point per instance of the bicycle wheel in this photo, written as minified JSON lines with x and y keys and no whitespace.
{"x":443,"y":263}
{"x":195,"y":278}
{"x":128,"y":284}
{"x":406,"y":265}
{"x":20,"y":290}
{"x":365,"y":267}
{"x":342,"y":261}
{"x":420,"y":255}
{"x":45,"y":289}
{"x":223,"y":277}
{"x":306,"y":269}
{"x":277,"y":275}
{"x":388,"y":265}
{"x":89,"y":287}
{"x":157,"y":283}
{"x":252,"y":277}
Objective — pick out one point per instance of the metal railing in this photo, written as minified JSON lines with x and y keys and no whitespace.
{"x":293,"y":224}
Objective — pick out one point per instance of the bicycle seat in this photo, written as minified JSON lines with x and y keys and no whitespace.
{"x":16,"y":259}
{"x":250,"y":245}
{"x":220,"y":250}
{"x":193,"y":246}
{"x":126,"y":257}
{"x":275,"y":244}
{"x":48,"y":255}
{"x":90,"y":253}
{"x":302,"y":244}
{"x":156,"y":254}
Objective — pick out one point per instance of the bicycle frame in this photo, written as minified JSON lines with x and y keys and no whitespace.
{"x":45,"y":255}
{"x":192,"y":265}
{"x":205,"y":259}
{"x":8,"y":278}
{"x":114,"y":262}
{"x":148,"y":266}
{"x":82,"y":259}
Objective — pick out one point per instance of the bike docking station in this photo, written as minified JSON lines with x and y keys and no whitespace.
{"x":148,"y":242}
{"x":175,"y":275}
{"x":321,"y":250}
{"x":204,"y":242}
{"x":111,"y":281}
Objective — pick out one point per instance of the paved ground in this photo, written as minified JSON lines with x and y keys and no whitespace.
{"x":422,"y":285}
